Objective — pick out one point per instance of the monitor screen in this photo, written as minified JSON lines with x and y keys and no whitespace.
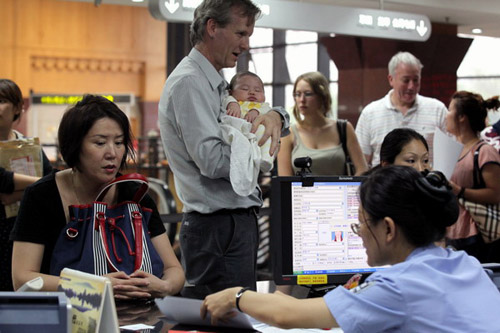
{"x":312,"y":240}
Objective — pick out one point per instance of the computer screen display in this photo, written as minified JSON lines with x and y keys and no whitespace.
{"x":311,"y":235}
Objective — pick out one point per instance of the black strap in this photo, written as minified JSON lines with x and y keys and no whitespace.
{"x":238,"y":296}
{"x":477,"y":177}
{"x":341,"y":127}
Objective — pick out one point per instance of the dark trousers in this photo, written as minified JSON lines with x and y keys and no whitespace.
{"x":219,"y":250}
{"x":6,"y":253}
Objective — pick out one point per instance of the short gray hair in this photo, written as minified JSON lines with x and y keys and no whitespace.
{"x":403,"y":58}
{"x":220,"y":11}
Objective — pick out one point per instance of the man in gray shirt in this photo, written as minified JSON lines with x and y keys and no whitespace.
{"x":219,"y":233}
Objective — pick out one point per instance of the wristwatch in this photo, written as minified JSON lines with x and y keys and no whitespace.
{"x":238,"y":296}
{"x":285,"y":119}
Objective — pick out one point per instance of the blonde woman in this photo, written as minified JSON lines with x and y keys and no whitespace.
{"x":315,"y":134}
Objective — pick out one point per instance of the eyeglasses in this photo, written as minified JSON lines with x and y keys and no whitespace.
{"x":307,"y":94}
{"x":355,"y":228}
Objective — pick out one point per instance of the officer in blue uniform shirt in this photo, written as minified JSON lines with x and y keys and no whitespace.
{"x":425,"y":289}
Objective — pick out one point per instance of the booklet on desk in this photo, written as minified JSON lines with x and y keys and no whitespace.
{"x":92,"y":300}
{"x":187,"y":311}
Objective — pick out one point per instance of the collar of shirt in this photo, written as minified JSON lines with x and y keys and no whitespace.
{"x":390,"y":106}
{"x":424,"y":249}
{"x":215,"y":78}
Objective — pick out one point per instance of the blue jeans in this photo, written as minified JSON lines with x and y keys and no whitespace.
{"x":219,"y":250}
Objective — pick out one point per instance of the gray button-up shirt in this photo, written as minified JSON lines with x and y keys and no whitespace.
{"x":189,"y":112}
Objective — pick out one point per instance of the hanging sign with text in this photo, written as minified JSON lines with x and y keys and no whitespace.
{"x":315,"y":17}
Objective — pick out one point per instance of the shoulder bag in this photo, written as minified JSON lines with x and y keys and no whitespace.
{"x":487,"y":217}
{"x":350,"y":170}
{"x":101,"y":239}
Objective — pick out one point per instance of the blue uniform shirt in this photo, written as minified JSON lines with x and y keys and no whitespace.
{"x":433,"y":290}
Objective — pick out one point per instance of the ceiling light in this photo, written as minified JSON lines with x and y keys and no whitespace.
{"x":477,"y":31}
{"x":137,"y":0}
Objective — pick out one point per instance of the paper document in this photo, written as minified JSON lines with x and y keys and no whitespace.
{"x":264,"y":328}
{"x":21,"y":156}
{"x":32,"y":285}
{"x":137,"y":327}
{"x":446,"y":153}
{"x":187,"y":311}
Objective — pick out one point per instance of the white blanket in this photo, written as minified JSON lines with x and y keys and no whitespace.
{"x":245,"y":154}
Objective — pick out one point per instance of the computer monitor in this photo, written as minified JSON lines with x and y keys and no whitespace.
{"x":311,"y":237}
{"x":41,"y":312}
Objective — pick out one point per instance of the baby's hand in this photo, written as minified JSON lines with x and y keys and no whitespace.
{"x":234,"y":110}
{"x":251,"y":115}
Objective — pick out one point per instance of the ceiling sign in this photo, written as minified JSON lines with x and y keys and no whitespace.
{"x":315,"y":17}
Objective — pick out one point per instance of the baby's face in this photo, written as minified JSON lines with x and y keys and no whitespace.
{"x":249,"y":88}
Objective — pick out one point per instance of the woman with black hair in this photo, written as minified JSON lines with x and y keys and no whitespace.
{"x":95,"y":141}
{"x":465,"y":120}
{"x":427,"y":288}
{"x":405,"y":146}
{"x":12,"y":184}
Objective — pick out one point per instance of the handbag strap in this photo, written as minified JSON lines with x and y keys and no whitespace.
{"x":342,"y":128}
{"x":137,"y":226}
{"x":477,"y":177}
{"x":131,"y":177}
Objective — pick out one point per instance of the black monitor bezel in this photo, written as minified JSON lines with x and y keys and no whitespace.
{"x":281,"y":252}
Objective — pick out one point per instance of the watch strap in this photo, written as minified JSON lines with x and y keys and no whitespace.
{"x":238,"y":296}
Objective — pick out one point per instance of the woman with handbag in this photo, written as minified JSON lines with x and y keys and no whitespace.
{"x":465,"y":120}
{"x":12,"y":184}
{"x":95,"y":141}
{"x":316,"y":135}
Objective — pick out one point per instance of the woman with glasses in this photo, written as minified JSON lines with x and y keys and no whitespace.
{"x":315,"y":134}
{"x":426,"y":289}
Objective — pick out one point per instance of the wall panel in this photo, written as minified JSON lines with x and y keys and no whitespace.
{"x":71,"y":47}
